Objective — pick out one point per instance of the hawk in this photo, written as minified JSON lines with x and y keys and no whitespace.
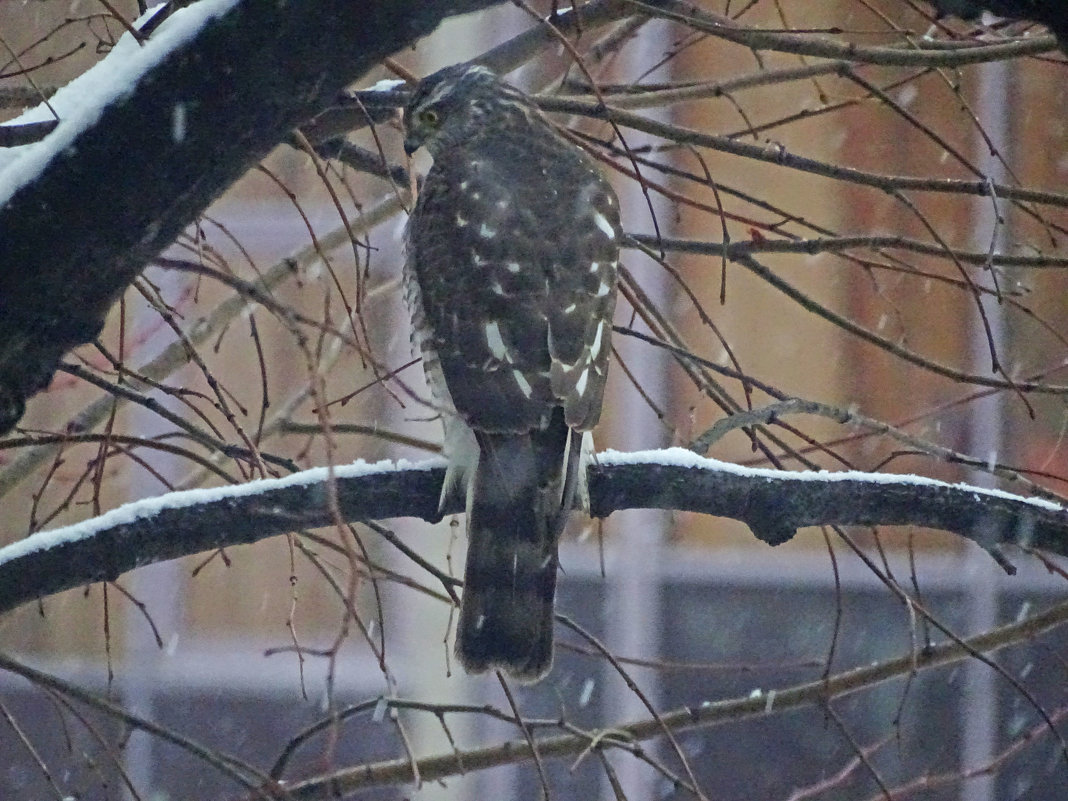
{"x":510,"y":278}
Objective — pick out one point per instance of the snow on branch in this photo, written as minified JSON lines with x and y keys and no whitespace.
{"x":773,"y":503}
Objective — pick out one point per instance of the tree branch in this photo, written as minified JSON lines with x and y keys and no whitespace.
{"x":439,"y":766}
{"x":918,"y":53}
{"x":773,"y":503}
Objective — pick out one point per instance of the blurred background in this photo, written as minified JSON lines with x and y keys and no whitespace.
{"x":242,"y":649}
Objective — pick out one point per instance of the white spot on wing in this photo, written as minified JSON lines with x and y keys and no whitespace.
{"x":461,"y":221}
{"x":524,"y":385}
{"x":602,"y":222}
{"x":512,"y":266}
{"x":595,"y":348}
{"x":486,"y":232}
{"x":570,"y":309}
{"x":595,"y":266}
{"x":580,"y":385}
{"x":603,"y":289}
{"x":496,"y":342}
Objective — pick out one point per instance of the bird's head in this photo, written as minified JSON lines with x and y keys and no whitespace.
{"x":451,"y":106}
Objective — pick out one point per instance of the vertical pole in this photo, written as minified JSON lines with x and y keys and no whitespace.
{"x":979,"y":709}
{"x":418,"y":624}
{"x":160,"y":587}
{"x":636,"y":543}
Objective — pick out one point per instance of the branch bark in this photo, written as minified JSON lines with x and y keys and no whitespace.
{"x":773,"y":503}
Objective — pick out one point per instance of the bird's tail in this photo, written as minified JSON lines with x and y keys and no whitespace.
{"x":517,"y":506}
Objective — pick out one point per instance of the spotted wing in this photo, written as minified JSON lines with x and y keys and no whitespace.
{"x":515,"y":250}
{"x":580,"y":322}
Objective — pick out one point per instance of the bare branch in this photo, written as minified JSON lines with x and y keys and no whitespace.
{"x":917,"y":53}
{"x":712,"y":713}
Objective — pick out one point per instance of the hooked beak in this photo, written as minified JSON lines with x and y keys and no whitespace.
{"x":411,"y":144}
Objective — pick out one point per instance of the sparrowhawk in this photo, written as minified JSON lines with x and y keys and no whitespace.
{"x":510,"y":277}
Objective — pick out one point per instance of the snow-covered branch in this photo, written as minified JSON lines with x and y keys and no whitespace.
{"x":773,"y":503}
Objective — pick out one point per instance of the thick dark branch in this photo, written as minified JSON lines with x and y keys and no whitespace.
{"x":15,"y":135}
{"x":76,"y":235}
{"x":774,"y":504}
{"x":1051,"y":13}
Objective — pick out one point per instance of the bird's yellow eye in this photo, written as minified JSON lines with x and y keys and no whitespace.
{"x":429,"y":117}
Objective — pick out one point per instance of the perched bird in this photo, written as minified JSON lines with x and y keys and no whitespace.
{"x":510,"y":277}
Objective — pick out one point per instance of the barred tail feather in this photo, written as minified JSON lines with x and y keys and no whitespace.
{"x":517,"y":505}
